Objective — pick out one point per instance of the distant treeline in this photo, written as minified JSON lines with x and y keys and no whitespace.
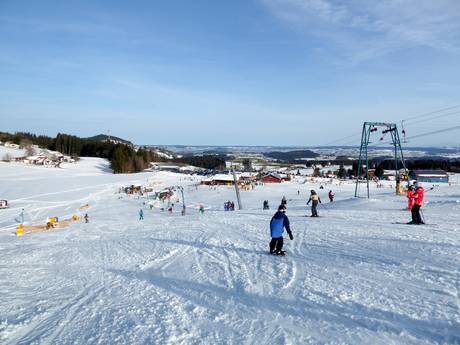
{"x":449,"y":165}
{"x":20,"y":138}
{"x":123,"y":158}
{"x":291,"y":156}
{"x":213,"y":162}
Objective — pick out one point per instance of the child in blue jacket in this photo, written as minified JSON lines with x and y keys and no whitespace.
{"x":278,"y":223}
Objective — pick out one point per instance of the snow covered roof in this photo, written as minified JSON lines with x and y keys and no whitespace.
{"x":248,"y":174}
{"x":275,"y":175}
{"x":36,"y":158}
{"x":223,"y":177}
{"x":13,"y":152}
{"x":430,"y":173}
{"x":166,"y":166}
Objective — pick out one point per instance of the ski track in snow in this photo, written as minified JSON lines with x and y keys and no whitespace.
{"x":349,"y":277}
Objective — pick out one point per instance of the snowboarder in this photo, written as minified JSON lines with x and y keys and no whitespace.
{"x":418,"y":202}
{"x":278,"y":223}
{"x":314,"y":199}
{"x":410,"y":198}
{"x":331,"y":196}
{"x":86,"y":218}
{"x":141,"y":214}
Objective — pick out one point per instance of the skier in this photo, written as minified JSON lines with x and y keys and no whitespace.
{"x":418,"y":202}
{"x":141,"y":214}
{"x":86,"y":218}
{"x":314,"y":199}
{"x":20,"y":218}
{"x":410,"y":198}
{"x":298,"y":192}
{"x":278,"y":223}
{"x":266,"y":207}
{"x":201,"y":209}
{"x":331,"y":196}
{"x":284,"y":201}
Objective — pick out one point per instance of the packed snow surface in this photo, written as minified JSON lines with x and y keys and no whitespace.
{"x":352,"y":276}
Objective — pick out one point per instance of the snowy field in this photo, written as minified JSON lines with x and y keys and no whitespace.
{"x":352,"y":276}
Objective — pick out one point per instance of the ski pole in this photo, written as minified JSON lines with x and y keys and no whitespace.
{"x":324,"y":207}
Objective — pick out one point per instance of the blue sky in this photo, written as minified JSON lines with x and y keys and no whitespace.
{"x":252,"y":72}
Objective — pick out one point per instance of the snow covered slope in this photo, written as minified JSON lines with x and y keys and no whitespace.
{"x":350,"y":276}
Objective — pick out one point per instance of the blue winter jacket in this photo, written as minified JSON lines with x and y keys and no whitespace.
{"x":278,"y":223}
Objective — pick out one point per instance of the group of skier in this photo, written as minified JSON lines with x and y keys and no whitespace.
{"x":280,"y":221}
{"x":229,"y":206}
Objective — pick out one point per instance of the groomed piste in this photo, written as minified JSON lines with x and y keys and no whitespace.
{"x":353,"y":275}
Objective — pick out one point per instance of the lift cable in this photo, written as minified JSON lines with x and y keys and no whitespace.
{"x":435,"y":132}
{"x":411,"y":120}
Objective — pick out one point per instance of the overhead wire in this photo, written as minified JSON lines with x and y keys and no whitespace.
{"x":432,"y":118}
{"x":430,"y":113}
{"x":435,"y":132}
{"x":347,"y":137}
{"x":412,"y":120}
{"x":424,"y":118}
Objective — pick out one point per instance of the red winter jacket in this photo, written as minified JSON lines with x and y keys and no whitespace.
{"x":410,"y":199}
{"x":418,"y":196}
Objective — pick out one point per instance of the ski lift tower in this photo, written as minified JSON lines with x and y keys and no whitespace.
{"x":368,"y":129}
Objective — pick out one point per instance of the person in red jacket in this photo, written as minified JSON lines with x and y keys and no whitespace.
{"x":410,"y":198}
{"x":418,"y":202}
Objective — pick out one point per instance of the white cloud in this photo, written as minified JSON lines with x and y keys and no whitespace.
{"x":363,"y":29}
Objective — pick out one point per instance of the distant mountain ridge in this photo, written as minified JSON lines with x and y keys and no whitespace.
{"x":111,"y":138}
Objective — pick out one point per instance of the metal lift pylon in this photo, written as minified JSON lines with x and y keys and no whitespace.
{"x":368,"y":128}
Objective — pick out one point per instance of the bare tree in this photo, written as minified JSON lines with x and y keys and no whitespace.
{"x":317,"y":172}
{"x":27,"y":145}
{"x":30,"y":151}
{"x":247,"y":164}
